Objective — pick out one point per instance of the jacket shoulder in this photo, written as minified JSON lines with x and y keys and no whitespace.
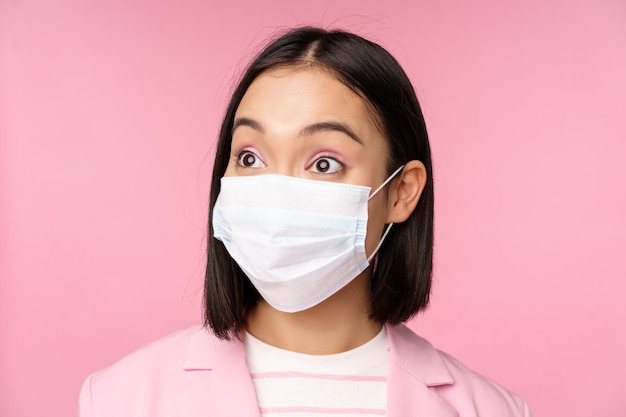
{"x":158,"y":356}
{"x":468,"y":392}
{"x":472,"y":390}
{"x":151,"y":372}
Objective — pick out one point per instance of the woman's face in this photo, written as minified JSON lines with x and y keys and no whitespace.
{"x":305,"y":123}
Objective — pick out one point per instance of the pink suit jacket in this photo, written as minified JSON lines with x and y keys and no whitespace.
{"x":193,"y":374}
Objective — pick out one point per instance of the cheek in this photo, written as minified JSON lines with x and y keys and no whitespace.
{"x":377,"y":215}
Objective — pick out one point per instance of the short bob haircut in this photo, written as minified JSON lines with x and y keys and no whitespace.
{"x":400,"y":284}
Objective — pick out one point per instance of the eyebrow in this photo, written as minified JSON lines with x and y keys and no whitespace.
{"x":330,"y":126}
{"x":305,"y":131}
{"x":244,"y":121}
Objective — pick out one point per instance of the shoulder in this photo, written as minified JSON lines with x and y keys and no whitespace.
{"x":145,"y":376}
{"x":468,"y":392}
{"x":472,"y":390}
{"x":160,"y":356}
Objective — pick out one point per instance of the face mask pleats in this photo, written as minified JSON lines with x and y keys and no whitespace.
{"x":299,"y":241}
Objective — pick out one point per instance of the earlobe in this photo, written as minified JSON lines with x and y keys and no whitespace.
{"x":405,"y":191}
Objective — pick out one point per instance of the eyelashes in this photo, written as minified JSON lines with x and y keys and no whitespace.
{"x":326,"y":164}
{"x":323,"y":163}
{"x":245,"y":158}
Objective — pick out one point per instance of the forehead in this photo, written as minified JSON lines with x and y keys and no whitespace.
{"x":299,"y":96}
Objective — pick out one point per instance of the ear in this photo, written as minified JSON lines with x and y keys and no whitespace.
{"x":405,"y":191}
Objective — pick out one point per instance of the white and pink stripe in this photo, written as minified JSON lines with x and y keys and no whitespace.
{"x":348,"y":384}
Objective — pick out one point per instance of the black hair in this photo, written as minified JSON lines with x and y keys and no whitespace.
{"x":400,"y":285}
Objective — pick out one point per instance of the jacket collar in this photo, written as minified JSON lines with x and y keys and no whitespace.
{"x":416,"y":356}
{"x":414,"y":366}
{"x":205,"y":351}
{"x":219,"y":381}
{"x":408,"y":351}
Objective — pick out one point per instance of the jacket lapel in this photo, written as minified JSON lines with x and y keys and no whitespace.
{"x":414,"y":367}
{"x":219,"y":382}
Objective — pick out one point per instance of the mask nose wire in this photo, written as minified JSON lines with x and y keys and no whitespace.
{"x":382,"y":239}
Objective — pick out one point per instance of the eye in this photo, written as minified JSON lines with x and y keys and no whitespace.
{"x":248,"y":159}
{"x":326,"y":165}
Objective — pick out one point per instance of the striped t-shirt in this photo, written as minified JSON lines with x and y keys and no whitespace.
{"x":347,"y":384}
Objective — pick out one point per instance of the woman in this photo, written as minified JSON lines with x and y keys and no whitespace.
{"x":320,"y":246}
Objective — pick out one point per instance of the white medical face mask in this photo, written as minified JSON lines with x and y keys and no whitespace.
{"x":299,"y":241}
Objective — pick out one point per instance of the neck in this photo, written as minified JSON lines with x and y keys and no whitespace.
{"x":336,"y":325}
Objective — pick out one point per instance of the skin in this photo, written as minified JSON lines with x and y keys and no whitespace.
{"x":271,"y":137}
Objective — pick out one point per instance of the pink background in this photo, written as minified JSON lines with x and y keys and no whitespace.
{"x":108,"y":114}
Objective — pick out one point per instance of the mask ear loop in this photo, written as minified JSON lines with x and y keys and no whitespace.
{"x":380,"y":242}
{"x":375,"y":267}
{"x":392,"y":176}
{"x":382,"y":239}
